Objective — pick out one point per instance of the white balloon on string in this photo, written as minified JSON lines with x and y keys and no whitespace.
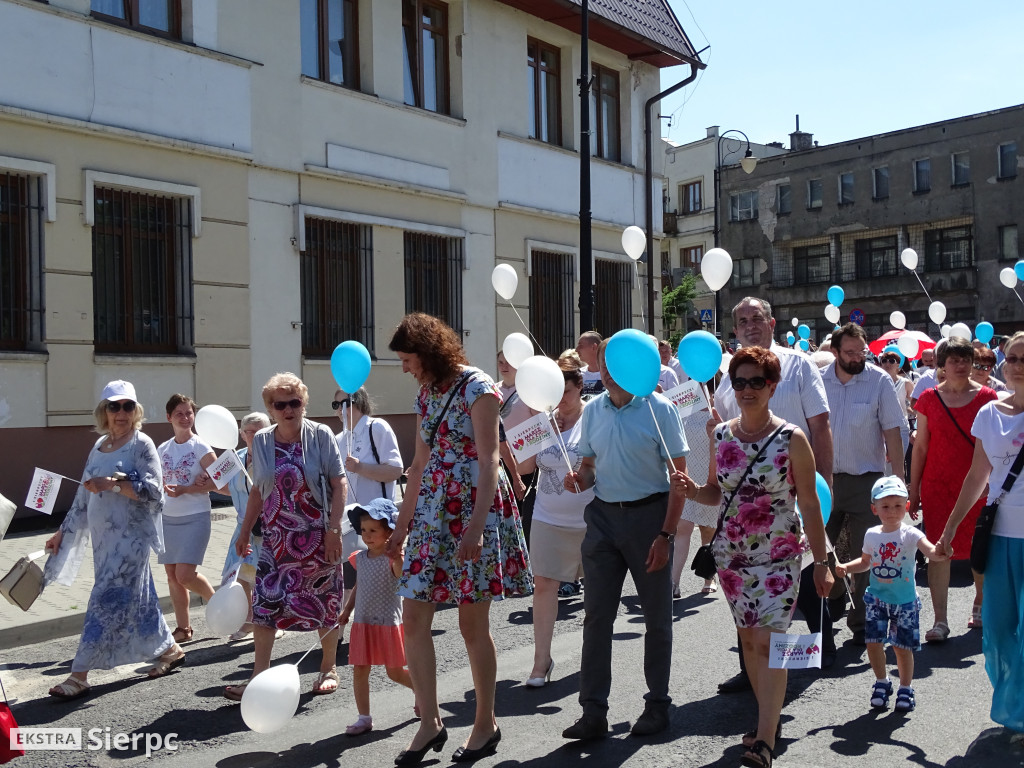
{"x":634,"y":242}
{"x":516,"y":348}
{"x":505,"y":281}
{"x":832,"y":313}
{"x":909,"y":258}
{"x":937,"y":312}
{"x":898,"y":320}
{"x":716,"y":268}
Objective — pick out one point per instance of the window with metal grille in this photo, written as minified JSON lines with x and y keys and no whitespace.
{"x":604,"y":105}
{"x":613,"y":294}
{"x":330,"y":41}
{"x":812,"y":264}
{"x":157,"y":17}
{"x":142,"y":273}
{"x":949,"y":248}
{"x":22,"y":212}
{"x":336,"y":275}
{"x":425,"y":29}
{"x":876,"y":257}
{"x":551,"y":305}
{"x":433,"y":276}
{"x":543,"y":70}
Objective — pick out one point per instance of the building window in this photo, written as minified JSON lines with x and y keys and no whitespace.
{"x":552,"y":278}
{"x":746,"y":272}
{"x":425,"y":29}
{"x":433,"y":276}
{"x":666,"y":271}
{"x":689,"y":258}
{"x":613,"y":296}
{"x":157,"y":17}
{"x":1008,"y":160}
{"x":922,"y":175}
{"x":961,"y":168}
{"x":22,"y":213}
{"x":949,"y":248}
{"x":542,"y":66}
{"x":880,"y":183}
{"x":690,"y":197}
{"x":330,"y":41}
{"x":812,"y":264}
{"x":784,"y":198}
{"x":876,"y":257}
{"x":743,"y":206}
{"x":142,"y":273}
{"x":814,"y":192}
{"x":604,"y":103}
{"x":845,"y":188}
{"x":336,"y":279}
{"x":1008,"y":244}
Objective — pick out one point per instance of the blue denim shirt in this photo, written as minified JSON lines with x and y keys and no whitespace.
{"x":320,"y":457}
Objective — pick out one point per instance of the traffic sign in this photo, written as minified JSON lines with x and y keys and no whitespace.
{"x":707,"y":315}
{"x":856,"y":316}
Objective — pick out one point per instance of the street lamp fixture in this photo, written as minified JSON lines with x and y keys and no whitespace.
{"x":748,"y":163}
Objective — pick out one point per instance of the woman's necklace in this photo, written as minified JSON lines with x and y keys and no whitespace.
{"x":759,"y":430}
{"x":112,"y":439}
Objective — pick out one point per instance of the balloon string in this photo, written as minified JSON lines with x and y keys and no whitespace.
{"x":562,"y":445}
{"x":922,"y":284}
{"x":671,"y":466}
{"x":317,"y":644}
{"x":1015,"y":293}
{"x":639,"y":290}
{"x":527,"y":328}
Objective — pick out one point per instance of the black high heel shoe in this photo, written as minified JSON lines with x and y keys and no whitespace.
{"x":415,"y":756}
{"x":463,"y":755}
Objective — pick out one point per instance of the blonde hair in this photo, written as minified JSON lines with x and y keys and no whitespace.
{"x":1011,"y":340}
{"x":571,"y":356}
{"x":285,"y":382}
{"x":100,"y":415}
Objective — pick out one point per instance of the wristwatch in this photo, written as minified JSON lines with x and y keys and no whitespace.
{"x":115,"y":487}
{"x":822,"y":562}
{"x":334,"y":530}
{"x":669,"y":537}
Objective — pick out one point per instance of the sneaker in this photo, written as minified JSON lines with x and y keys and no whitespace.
{"x":880,"y":693}
{"x":905,"y":701}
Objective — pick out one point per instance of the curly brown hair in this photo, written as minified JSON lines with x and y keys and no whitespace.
{"x":763,"y":358}
{"x":438,"y":347}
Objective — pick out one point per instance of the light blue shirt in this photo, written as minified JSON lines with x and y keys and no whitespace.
{"x":239,"y":487}
{"x":629,"y":458}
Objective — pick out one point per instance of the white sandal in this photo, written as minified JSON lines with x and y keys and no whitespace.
{"x":71,"y":688}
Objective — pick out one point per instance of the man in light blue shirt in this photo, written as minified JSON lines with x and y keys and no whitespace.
{"x":630,"y":527}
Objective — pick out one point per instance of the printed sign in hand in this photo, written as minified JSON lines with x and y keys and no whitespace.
{"x":688,"y":397}
{"x":531,"y":437}
{"x":43,"y":490}
{"x":224,"y":468}
{"x":795,"y":651}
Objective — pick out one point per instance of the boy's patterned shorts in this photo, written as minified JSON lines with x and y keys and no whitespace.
{"x":895,"y":622}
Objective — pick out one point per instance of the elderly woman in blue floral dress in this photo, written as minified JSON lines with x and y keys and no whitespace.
{"x":760,"y":543}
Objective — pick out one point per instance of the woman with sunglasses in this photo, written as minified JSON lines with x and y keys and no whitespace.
{"x":760,"y":467}
{"x":981,"y":370}
{"x":184,"y":459}
{"x":298,"y":492}
{"x":373,"y":462}
{"x":942,"y":455}
{"x":118,"y":505}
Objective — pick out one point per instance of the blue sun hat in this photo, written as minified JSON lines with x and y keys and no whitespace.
{"x":379,"y":509}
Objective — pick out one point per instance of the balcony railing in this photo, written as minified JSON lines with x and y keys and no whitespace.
{"x":670,"y":223}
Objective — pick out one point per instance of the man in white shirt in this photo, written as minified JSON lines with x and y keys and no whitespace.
{"x":671,"y":361}
{"x":586,"y":348}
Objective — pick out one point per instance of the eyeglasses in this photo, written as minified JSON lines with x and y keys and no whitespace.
{"x":115,"y":406}
{"x":280,"y":405}
{"x":982,"y":367}
{"x":754,"y":382}
{"x":889,"y":359}
{"x":1013,"y":360}
{"x":336,"y":404}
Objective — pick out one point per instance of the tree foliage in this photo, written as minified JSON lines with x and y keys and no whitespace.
{"x":676,"y":304}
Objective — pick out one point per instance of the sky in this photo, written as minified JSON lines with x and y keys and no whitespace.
{"x":849,"y":69}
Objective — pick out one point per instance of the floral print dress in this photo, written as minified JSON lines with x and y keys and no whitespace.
{"x":432,"y":571}
{"x":758,"y":549}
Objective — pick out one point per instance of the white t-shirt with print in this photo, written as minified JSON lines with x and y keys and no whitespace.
{"x":1002,"y":436}
{"x":180,"y":465}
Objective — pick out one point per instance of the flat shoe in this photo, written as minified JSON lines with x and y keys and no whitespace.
{"x":170,"y":659}
{"x":975,"y":621}
{"x":318,"y":687}
{"x":72,"y":688}
{"x":235,"y":692}
{"x":182,"y":634}
{"x":359,"y":727}
{"x":710,"y":589}
{"x":937,"y":634}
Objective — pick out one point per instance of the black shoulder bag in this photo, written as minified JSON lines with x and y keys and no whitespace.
{"x":987,"y":518}
{"x":956,"y":423}
{"x":704,"y":560}
{"x":376,"y":456}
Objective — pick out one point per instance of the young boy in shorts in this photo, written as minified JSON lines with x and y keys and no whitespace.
{"x":891,"y":607}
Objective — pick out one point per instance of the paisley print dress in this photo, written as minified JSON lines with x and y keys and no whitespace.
{"x":433,"y":571}
{"x":296,"y":586}
{"x":759,"y":547}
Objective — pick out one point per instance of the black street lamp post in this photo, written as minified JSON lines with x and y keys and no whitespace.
{"x":748,"y":164}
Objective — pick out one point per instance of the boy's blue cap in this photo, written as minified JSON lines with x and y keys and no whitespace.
{"x":888,"y":486}
{"x":378,"y":509}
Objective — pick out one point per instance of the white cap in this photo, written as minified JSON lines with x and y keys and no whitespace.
{"x":888,"y":486}
{"x":119,"y":390}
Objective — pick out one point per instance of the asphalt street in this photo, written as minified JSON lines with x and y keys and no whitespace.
{"x":826,"y":721}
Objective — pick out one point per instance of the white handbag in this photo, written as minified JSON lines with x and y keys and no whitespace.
{"x":24,"y":582}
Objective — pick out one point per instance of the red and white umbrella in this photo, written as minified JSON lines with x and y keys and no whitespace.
{"x":893,"y":337}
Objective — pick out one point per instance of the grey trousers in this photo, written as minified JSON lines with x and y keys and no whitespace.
{"x":618,"y":540}
{"x":851,"y":507}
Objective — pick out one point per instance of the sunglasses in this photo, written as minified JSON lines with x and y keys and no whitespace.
{"x":755,"y":382}
{"x":982,"y":367}
{"x":889,"y":359}
{"x":336,"y":404}
{"x":280,"y":405}
{"x":116,"y":406}
{"x":1013,"y":360}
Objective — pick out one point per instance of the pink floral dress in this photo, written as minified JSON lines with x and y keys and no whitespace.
{"x":433,"y":571}
{"x":759,"y":547}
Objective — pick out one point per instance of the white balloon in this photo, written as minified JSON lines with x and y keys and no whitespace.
{"x":898,"y":320}
{"x":505,"y":281}
{"x":944,"y":330}
{"x":726,"y":359}
{"x":832,"y":313}
{"x":908,"y":346}
{"x":716,"y":268}
{"x":227,"y":610}
{"x":937,"y":312}
{"x":1008,"y":277}
{"x":516,"y":348}
{"x":962,"y":330}
{"x":271,"y":698}
{"x":634,"y":242}
{"x":539,"y":382}
{"x":909,"y":258}
{"x":796,"y":321}
{"x":216,"y":426}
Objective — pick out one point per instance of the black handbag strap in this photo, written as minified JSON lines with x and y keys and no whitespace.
{"x":750,"y":467}
{"x":437,"y":424}
{"x":952,"y":418}
{"x":376,"y":456}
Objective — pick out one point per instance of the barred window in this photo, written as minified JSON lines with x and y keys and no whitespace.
{"x":812,"y":264}
{"x":613,"y":296}
{"x":336,"y":275}
{"x":551,"y":306}
{"x":876,"y":257}
{"x":433,"y":276}
{"x":22,"y":210}
{"x":949,"y":248}
{"x":142,"y":273}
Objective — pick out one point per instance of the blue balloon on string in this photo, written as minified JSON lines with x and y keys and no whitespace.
{"x":350,"y":365}
{"x":804,"y":344}
{"x":984,"y":332}
{"x":824,"y":498}
{"x":803,"y":331}
{"x":700,"y":354}
{"x":633,"y":360}
{"x":790,"y":338}
{"x":1018,"y":269}
{"x":836,"y":295}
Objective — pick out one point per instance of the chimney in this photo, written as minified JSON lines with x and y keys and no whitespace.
{"x":800,"y":141}
{"x":712,"y":132}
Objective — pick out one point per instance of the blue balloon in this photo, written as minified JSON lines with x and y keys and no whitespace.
{"x":790,"y":338}
{"x":836,"y":296}
{"x":824,"y":498}
{"x":804,"y":344}
{"x":1018,"y":269}
{"x":633,"y":361}
{"x":984,"y":332}
{"x":803,"y":331}
{"x":700,"y":354}
{"x":350,"y":365}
